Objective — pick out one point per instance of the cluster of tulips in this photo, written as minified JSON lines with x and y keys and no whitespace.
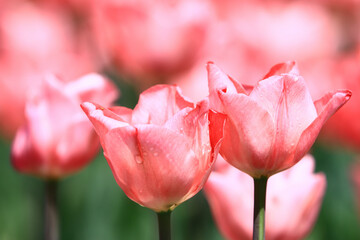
{"x":195,"y":126}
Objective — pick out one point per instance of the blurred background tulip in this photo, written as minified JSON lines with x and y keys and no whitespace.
{"x":139,"y":43}
{"x":57,"y":138}
{"x":293,"y":201}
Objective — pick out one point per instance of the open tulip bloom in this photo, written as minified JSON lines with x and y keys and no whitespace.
{"x":160,"y":153}
{"x":270,"y":126}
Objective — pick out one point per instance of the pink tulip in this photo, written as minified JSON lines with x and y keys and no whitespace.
{"x":151,"y":40}
{"x":272,"y":125}
{"x":293,"y":201}
{"x":34,"y":42}
{"x":161,"y":152}
{"x":57,"y":138}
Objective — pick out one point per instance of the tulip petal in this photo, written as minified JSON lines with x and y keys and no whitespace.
{"x":216,"y":126}
{"x":242,"y":132}
{"x":281,"y":68}
{"x":103,"y":119}
{"x":24,"y":156}
{"x":326,"y":107}
{"x":78,"y":144}
{"x":123,"y":112}
{"x":158,"y":104}
{"x":154,"y":165}
{"x":218,"y":80}
{"x":92,"y":86}
{"x":289,"y":102}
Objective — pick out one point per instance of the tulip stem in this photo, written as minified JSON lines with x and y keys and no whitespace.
{"x":51,"y":231}
{"x":259,"y":208}
{"x":164,"y":225}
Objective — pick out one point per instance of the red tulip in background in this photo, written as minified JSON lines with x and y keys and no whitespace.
{"x":293,"y":201}
{"x":272,"y":125}
{"x":57,"y":138}
{"x":161,"y":152}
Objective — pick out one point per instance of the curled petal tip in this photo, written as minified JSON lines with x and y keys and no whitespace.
{"x":210,"y":63}
{"x":348,"y":94}
{"x":87,"y":106}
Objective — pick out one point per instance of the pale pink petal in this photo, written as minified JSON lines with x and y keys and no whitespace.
{"x":326,"y":107}
{"x":123,"y":112}
{"x":78,"y":145}
{"x":102,"y":118}
{"x":281,"y":68}
{"x":153,"y":165}
{"x":95,"y":87}
{"x":244,"y":140}
{"x":293,"y":201}
{"x":24,"y":156}
{"x":159,"y":103}
{"x":289,"y":102}
{"x":218,"y":80}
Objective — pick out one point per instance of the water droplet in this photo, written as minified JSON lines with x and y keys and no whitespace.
{"x":138,"y":159}
{"x":156,"y":154}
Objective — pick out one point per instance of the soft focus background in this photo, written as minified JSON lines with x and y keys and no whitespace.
{"x":139,"y":43}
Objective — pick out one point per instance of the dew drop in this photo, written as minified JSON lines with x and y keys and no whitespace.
{"x":156,"y":154}
{"x":138,"y":159}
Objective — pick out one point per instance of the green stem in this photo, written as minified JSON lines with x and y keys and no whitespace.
{"x":259,"y":208}
{"x":51,"y":227}
{"x":164,"y":225}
